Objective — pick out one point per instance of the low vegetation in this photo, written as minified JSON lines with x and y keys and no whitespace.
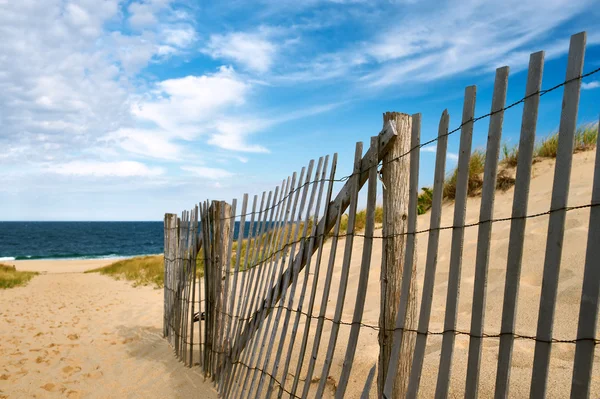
{"x":141,"y":270}
{"x":585,"y":139}
{"x":11,"y":277}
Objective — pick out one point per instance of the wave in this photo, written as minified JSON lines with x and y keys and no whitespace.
{"x":72,"y":256}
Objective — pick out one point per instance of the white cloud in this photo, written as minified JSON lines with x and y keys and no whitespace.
{"x":144,"y":13}
{"x":180,"y":37}
{"x":208,"y":173}
{"x":186,"y":107}
{"x":430,"y":41}
{"x":251,"y":50}
{"x":106,"y":169}
{"x":145,"y":142}
{"x":590,"y":85}
{"x":433,"y":149}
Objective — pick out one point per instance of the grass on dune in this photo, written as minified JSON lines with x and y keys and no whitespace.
{"x":11,"y":277}
{"x":142,"y":270}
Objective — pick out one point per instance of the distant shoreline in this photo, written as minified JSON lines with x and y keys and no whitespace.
{"x":70,"y":258}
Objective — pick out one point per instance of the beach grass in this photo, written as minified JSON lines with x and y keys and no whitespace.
{"x":11,"y":277}
{"x":141,"y":270}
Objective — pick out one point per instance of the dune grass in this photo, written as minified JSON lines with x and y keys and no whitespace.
{"x":141,"y":270}
{"x":11,"y":277}
{"x":476,"y":165}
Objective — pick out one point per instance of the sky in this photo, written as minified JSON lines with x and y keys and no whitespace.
{"x":126,"y":110}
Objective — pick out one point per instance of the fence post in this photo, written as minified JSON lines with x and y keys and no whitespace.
{"x":169,"y":250}
{"x":222,"y":224}
{"x":396,"y":174}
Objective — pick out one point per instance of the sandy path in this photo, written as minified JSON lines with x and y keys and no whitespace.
{"x":88,"y":336}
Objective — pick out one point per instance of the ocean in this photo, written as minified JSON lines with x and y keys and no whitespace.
{"x":82,"y":240}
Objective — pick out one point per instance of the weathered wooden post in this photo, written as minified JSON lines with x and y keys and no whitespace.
{"x":396,"y":172}
{"x":169,"y":251}
{"x":222,"y":225}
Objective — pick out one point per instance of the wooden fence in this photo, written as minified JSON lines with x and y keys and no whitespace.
{"x":260,"y":300}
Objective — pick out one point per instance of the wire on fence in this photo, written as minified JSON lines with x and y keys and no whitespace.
{"x":457,"y":332}
{"x":354,"y":234}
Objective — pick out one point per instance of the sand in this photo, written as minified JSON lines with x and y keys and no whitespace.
{"x":567,"y":308}
{"x":88,"y":335}
{"x":74,"y":335}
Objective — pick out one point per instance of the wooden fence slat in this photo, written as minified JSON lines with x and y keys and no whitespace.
{"x":194,"y":271}
{"x":302,"y":237}
{"x":208,"y":305}
{"x":311,"y":302}
{"x":458,"y":233}
{"x":312,"y":238}
{"x":234,"y":298}
{"x":243,"y":284}
{"x":355,"y":185}
{"x":271,"y":301}
{"x":556,"y":224}
{"x":363,"y":279}
{"x":590,"y":295}
{"x":186,"y":287}
{"x":286,"y":205}
{"x":295,"y":231}
{"x":408,"y":280}
{"x":178,"y":283}
{"x":484,"y":233}
{"x":368,"y":383}
{"x":432,"y":251}
{"x":517,"y":224}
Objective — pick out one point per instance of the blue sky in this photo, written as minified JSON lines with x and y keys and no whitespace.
{"x":125,"y":110}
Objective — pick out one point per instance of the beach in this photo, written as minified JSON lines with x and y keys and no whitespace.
{"x":70,"y":334}
{"x":73,"y":335}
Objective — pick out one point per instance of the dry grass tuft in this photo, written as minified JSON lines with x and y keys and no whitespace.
{"x":142,"y":270}
{"x":11,"y":277}
{"x":476,"y":165}
{"x":504,"y":181}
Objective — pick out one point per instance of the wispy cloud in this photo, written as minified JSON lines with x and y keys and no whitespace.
{"x":590,"y":85}
{"x":106,"y":169}
{"x":208,"y":173}
{"x":253,"y":51}
{"x":433,"y":149}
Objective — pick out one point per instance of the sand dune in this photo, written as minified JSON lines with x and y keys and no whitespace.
{"x":567,"y":308}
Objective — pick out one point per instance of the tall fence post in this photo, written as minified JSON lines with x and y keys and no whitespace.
{"x":169,"y":250}
{"x":396,"y":172}
{"x":222,"y":224}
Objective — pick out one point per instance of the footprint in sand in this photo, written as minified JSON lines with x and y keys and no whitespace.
{"x":94,"y":375}
{"x":73,"y":395}
{"x":50,"y":387}
{"x":73,"y":337}
{"x":4,"y":377}
{"x":70,"y":370}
